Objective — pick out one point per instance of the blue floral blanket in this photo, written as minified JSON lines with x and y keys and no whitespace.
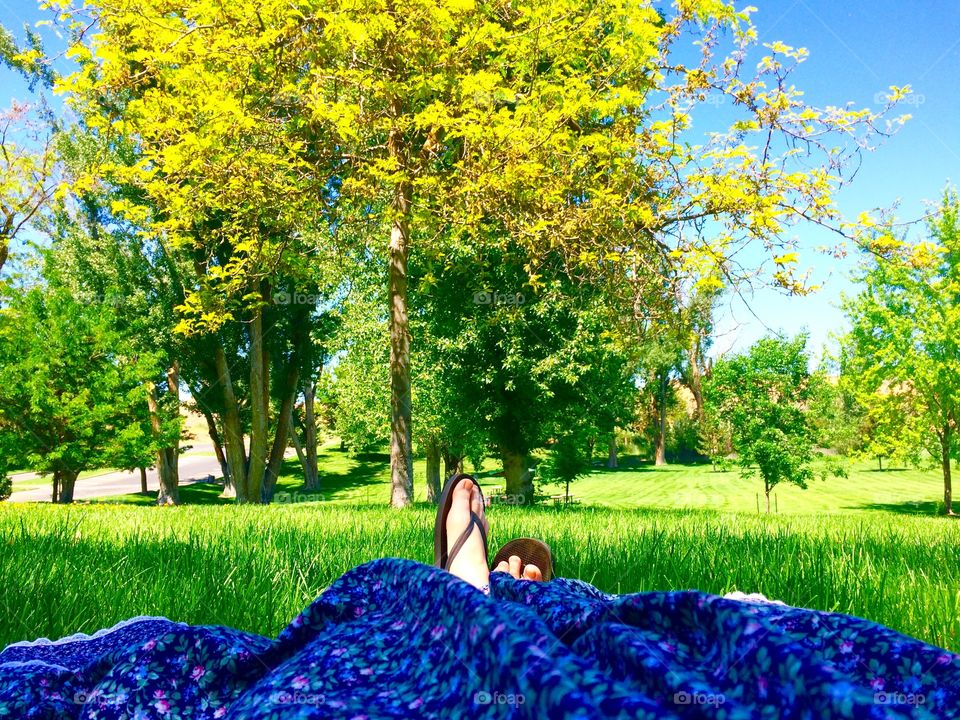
{"x":396,"y":639}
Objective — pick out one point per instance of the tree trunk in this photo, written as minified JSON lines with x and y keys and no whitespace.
{"x":433,"y":470}
{"x":283,"y":428}
{"x":516,"y":478}
{"x":660,"y":457}
{"x":232,"y":429}
{"x":217,"y":447}
{"x":945,"y":442}
{"x":66,"y":481}
{"x":694,"y":375}
{"x":401,"y":455}
{"x":298,"y":446}
{"x":55,"y":495}
{"x":167,"y":492}
{"x":612,"y":460}
{"x":259,"y":422}
{"x":143,"y":480}
{"x":766,"y":492}
{"x":312,"y":472}
{"x":452,"y":463}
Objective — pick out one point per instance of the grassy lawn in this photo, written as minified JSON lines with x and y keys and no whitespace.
{"x":867,"y":545}
{"x":69,"y":569}
{"x":348,"y":479}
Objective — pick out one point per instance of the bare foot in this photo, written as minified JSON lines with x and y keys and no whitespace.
{"x":513,"y":567}
{"x":470,"y":563}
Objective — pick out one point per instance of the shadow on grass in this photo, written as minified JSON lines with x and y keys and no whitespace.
{"x":626,"y":463}
{"x":341,"y":474}
{"x":910,"y":507}
{"x":196,"y":493}
{"x":365,"y":470}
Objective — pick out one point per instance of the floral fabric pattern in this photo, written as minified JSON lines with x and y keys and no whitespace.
{"x":397,"y":639}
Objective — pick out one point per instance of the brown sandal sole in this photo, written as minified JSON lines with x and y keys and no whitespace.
{"x":531,"y":552}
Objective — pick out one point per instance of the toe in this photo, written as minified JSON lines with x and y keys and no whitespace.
{"x":515,"y":565}
{"x":532,"y":572}
{"x":502,"y":566}
{"x":476,"y":499}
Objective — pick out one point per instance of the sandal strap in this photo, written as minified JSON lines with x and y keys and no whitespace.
{"x":458,"y":545}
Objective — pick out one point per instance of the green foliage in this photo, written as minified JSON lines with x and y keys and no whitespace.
{"x":715,"y":434}
{"x":512,"y":366}
{"x":906,"y":340}
{"x":65,"y":391}
{"x":361,"y":391}
{"x":567,"y":459}
{"x":683,"y":437}
{"x":764,"y":393}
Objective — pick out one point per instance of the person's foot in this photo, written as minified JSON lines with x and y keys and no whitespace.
{"x":514,"y":566}
{"x":470,"y":563}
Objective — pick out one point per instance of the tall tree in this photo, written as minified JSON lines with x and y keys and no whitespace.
{"x":564,"y":125}
{"x":906,"y":329}
{"x":216,"y":182}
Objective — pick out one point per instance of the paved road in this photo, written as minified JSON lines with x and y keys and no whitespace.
{"x":193,"y":467}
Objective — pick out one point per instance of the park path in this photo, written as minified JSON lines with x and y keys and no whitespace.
{"x":196,"y":464}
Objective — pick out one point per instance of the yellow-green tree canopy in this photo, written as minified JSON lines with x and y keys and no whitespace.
{"x":906,"y":333}
{"x":565,"y":123}
{"x":564,"y":127}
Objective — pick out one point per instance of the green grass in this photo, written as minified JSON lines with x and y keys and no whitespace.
{"x":70,"y":569}
{"x":365,"y":479}
{"x":859,"y":545}
{"x":680,"y":486}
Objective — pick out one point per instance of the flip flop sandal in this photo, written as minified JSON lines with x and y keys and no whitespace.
{"x":442,"y":558}
{"x":531,"y":552}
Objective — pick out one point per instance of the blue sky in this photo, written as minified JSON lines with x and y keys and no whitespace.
{"x":858,"y":48}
